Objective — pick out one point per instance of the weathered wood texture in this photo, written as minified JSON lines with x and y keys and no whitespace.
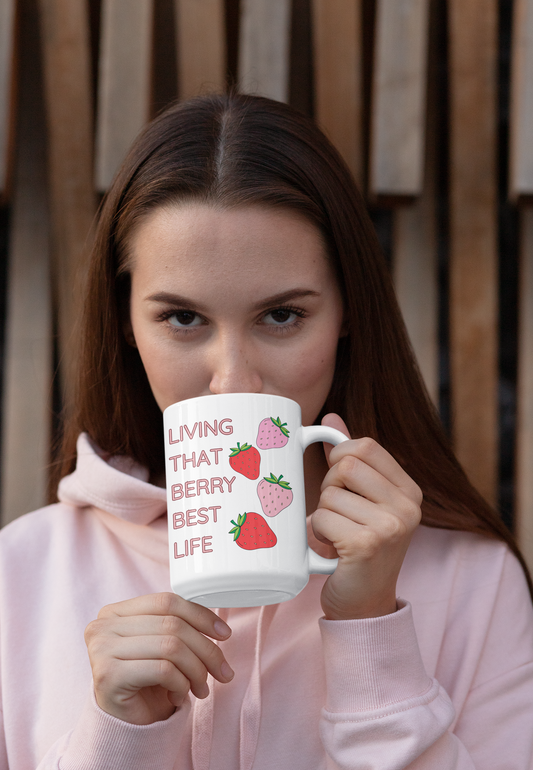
{"x":65,"y":38}
{"x":415,"y":263}
{"x":521,"y":120}
{"x":398,"y":98}
{"x":524,"y":439}
{"x":337,"y":48}
{"x":7,"y":80}
{"x":264,"y":48}
{"x":26,"y":404}
{"x":201,"y":46}
{"x":124,"y":82}
{"x":416,"y":281}
{"x":473,"y":238}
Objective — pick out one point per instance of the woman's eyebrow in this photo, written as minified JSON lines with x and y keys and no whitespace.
{"x":286,"y":296}
{"x":168,"y":298}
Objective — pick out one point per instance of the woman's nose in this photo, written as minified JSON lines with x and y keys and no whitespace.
{"x":233,"y":370}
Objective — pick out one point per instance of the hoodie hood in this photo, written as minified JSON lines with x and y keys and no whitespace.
{"x":117,"y":491}
{"x":114,"y":484}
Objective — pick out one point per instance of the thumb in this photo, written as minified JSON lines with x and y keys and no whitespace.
{"x":333,"y":420}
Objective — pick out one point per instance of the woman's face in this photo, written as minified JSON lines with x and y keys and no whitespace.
{"x":234,"y":300}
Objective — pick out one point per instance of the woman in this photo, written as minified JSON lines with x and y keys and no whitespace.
{"x":233,"y":253}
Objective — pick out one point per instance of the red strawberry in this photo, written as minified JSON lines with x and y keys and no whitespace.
{"x":272,"y":433}
{"x":252,"y":532}
{"x":275,"y":495}
{"x":245,"y":459}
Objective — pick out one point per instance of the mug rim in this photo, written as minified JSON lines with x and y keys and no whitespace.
{"x":260,"y":396}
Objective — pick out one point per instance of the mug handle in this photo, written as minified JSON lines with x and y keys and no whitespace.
{"x":318,"y":565}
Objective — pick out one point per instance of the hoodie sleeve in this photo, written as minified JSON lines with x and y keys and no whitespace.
{"x":383,"y":712}
{"x":101,"y":742}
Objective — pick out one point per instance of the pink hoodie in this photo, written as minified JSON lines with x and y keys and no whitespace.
{"x":445,"y":682}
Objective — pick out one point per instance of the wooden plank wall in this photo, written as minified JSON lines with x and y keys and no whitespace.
{"x":124,"y":82}
{"x":27,"y":418}
{"x":7,"y":90}
{"x":473,"y":237}
{"x":375,"y":85}
{"x":521,"y":193}
{"x":65,"y":42}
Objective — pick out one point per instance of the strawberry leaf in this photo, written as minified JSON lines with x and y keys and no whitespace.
{"x":277,"y":480}
{"x":236,"y":450}
{"x":281,"y":426}
{"x":236,"y":530}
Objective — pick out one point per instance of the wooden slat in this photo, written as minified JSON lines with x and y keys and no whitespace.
{"x":337,"y":46}
{"x":398,"y":98}
{"x":415,"y":279}
{"x":28,"y":362}
{"x":201,"y":46}
{"x":415,"y":263}
{"x":65,"y":36}
{"x":124,"y":82}
{"x":473,"y":237}
{"x":7,"y":47}
{"x":521,"y":117}
{"x":264,"y":48}
{"x":524,"y":435}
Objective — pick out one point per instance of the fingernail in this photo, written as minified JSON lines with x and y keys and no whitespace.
{"x":226,"y":671}
{"x":203,"y":691}
{"x":222,"y":629}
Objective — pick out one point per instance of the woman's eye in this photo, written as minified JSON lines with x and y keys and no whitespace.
{"x":280,"y":317}
{"x":184,"y":318}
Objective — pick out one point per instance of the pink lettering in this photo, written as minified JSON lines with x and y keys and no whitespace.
{"x":206,"y":540}
{"x":191,"y":459}
{"x":203,"y":458}
{"x":188,"y":432}
{"x":195,"y":543}
{"x":216,"y":483}
{"x":202,"y":516}
{"x":176,"y":491}
{"x":214,"y":430}
{"x":230,"y":483}
{"x":177,"y":520}
{"x":214,"y":508}
{"x":191,"y":517}
{"x":175,"y":458}
{"x":216,"y":453}
{"x":172,"y":440}
{"x":202,"y":485}
{"x":177,"y":554}
{"x":226,"y":430}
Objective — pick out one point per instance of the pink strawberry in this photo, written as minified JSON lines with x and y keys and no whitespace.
{"x":245,"y":459}
{"x":274,"y":494}
{"x":252,"y":532}
{"x":272,"y":433}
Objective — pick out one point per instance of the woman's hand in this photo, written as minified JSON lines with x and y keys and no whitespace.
{"x":368,"y":510}
{"x":147,"y":653}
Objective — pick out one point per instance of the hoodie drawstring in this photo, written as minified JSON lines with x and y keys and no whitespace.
{"x":251,"y":705}
{"x":250,"y":717}
{"x":202,"y":719}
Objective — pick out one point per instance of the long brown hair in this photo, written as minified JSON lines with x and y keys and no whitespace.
{"x":237,"y":150}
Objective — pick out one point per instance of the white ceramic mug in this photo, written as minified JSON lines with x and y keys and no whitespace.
{"x":236,"y":500}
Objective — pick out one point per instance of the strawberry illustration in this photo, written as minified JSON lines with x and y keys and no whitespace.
{"x":245,"y":459}
{"x":252,"y":532}
{"x":272,"y":433}
{"x":274,"y":494}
